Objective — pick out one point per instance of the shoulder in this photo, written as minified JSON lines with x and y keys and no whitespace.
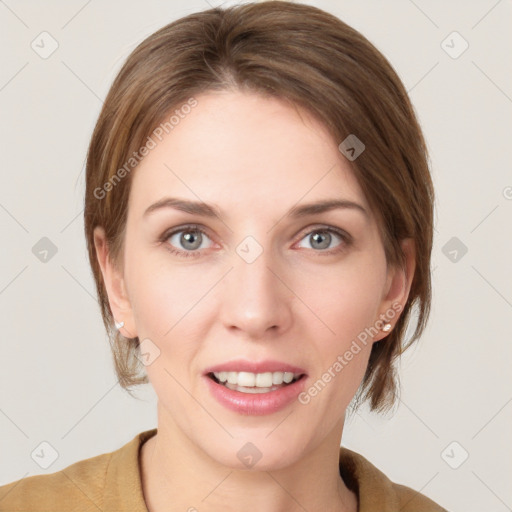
{"x":110,"y":481}
{"x":412,"y":501}
{"x":78,"y":485}
{"x":376,"y":492}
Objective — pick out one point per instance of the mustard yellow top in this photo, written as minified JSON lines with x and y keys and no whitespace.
{"x":111,"y":482}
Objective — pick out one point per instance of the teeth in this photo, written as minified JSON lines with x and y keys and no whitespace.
{"x":258,"y":380}
{"x":254,"y":390}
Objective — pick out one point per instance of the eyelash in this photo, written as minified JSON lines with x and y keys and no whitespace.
{"x":347,"y":239}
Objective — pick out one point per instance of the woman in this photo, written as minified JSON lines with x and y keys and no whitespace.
{"x":259,"y":218}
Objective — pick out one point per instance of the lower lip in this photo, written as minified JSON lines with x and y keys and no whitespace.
{"x":256,"y":404}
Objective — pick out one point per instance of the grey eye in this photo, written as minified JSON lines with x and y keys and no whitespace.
{"x":321,"y":238}
{"x":189,"y":239}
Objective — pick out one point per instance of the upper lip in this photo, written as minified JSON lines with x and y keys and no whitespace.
{"x":241,"y":365}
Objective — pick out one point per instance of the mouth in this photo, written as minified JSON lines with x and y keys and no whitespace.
{"x":255,"y":383}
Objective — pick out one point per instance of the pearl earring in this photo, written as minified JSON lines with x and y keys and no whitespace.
{"x":386,"y":327}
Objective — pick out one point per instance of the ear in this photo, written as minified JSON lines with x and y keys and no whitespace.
{"x":398,"y":286}
{"x":115,"y":286}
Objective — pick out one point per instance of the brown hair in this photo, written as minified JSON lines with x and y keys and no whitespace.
{"x":297,"y":53}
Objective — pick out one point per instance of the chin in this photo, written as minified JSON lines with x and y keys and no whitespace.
{"x":256,"y":453}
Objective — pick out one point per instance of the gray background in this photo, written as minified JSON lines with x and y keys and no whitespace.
{"x":57,"y":383}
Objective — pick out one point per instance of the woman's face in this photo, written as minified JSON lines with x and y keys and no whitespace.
{"x":257,"y":283}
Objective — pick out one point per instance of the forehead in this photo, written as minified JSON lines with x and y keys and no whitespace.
{"x":241,"y":149}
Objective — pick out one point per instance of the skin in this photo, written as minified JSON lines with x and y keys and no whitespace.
{"x":255,"y":158}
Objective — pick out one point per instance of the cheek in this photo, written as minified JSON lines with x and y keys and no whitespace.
{"x":345,"y":298}
{"x":346,"y":307}
{"x":164,"y":296}
{"x":168,"y":310}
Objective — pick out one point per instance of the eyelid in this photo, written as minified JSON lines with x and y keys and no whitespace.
{"x":323,"y":227}
{"x":186,"y":227}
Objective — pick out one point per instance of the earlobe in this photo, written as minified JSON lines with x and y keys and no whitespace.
{"x":115,"y":286}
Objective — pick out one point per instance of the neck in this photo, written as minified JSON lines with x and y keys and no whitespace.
{"x":177,"y":475}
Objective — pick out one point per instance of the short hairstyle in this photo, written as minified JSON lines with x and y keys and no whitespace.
{"x":299,"y":54}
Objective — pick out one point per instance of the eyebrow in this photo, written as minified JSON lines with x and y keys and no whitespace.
{"x":210,"y":210}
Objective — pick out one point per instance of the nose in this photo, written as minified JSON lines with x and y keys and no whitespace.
{"x":255,"y":300}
